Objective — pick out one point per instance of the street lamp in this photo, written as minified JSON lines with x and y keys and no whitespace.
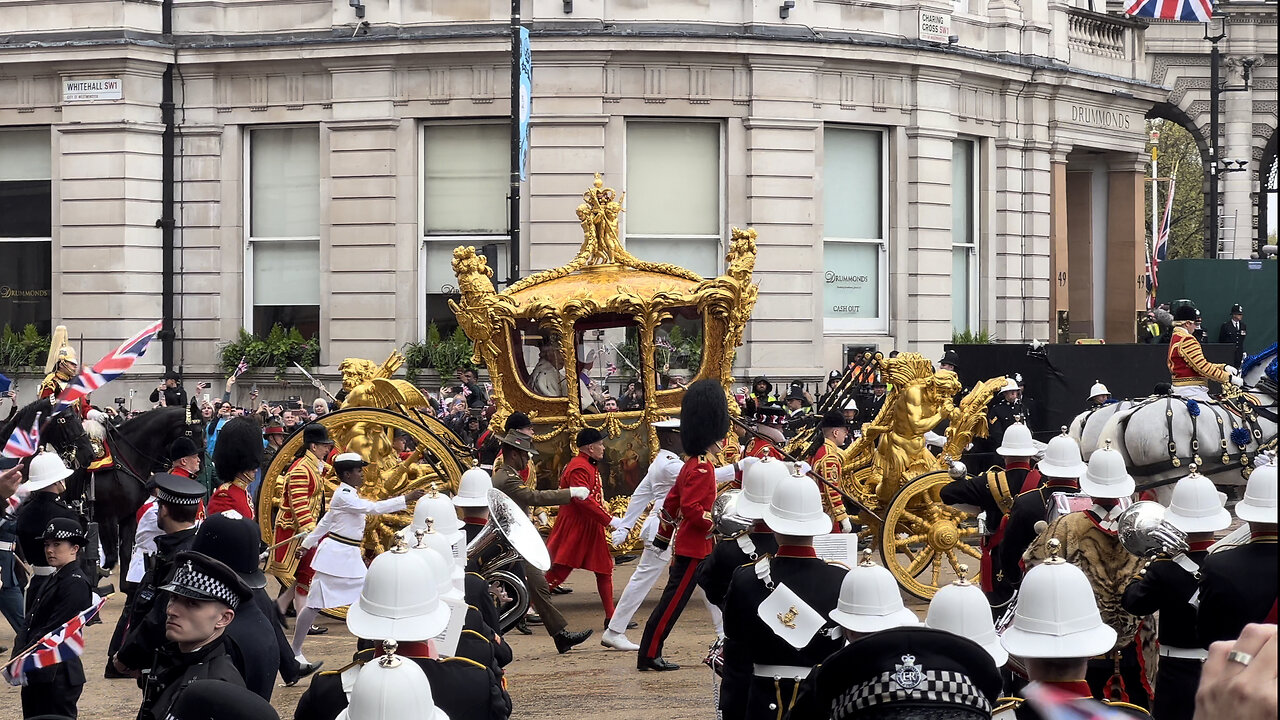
{"x":1215,"y":30}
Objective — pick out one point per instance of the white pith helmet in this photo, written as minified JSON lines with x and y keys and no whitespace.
{"x":1062,"y":458}
{"x":391,"y":688}
{"x":758,"y":484}
{"x":1098,"y":389}
{"x":1009,"y":385}
{"x":433,"y":549}
{"x":1259,"y":503}
{"x":1107,"y":476}
{"x":1017,"y":442}
{"x":399,"y":600}
{"x":1057,"y":614}
{"x":961,"y":608}
{"x":795,"y":508}
{"x":473,"y":489}
{"x":1195,"y":505}
{"x":46,"y":469}
{"x":439,"y":508}
{"x":870,"y":600}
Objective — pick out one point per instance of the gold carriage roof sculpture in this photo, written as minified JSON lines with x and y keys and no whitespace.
{"x":602,"y":284}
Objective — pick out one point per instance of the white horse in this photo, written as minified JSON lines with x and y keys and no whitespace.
{"x":1141,"y":429}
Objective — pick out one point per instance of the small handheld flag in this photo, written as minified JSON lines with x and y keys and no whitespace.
{"x":23,"y":443}
{"x":241,"y":366}
{"x":115,"y":364}
{"x":58,"y":646}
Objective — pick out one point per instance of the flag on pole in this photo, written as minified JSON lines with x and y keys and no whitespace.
{"x":610,"y":370}
{"x":115,"y":364}
{"x":58,"y":646}
{"x":1161,"y":248}
{"x":1185,"y":10}
{"x":23,"y":443}
{"x":241,"y":366}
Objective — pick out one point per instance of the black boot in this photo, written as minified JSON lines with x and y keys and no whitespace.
{"x":565,"y":639}
{"x":658,"y":663}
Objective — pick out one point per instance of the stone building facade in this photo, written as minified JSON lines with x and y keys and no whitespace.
{"x":903,"y":188}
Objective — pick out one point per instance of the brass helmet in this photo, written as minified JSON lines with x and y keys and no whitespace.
{"x":62,"y":357}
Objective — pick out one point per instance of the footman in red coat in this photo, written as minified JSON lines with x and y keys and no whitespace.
{"x":578,"y":537}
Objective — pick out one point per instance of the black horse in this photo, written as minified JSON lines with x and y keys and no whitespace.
{"x":62,"y":431}
{"x":139,"y":448}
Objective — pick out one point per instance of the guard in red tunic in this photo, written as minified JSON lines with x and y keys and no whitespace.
{"x":577,"y":539}
{"x":826,"y":463}
{"x":236,"y":457}
{"x":686,"y":514}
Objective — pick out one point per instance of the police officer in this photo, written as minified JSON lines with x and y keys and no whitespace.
{"x":178,"y":500}
{"x":46,"y":478}
{"x":776,"y":610}
{"x":55,"y":690}
{"x":1233,"y":332}
{"x":1169,"y":584}
{"x":201,"y":602}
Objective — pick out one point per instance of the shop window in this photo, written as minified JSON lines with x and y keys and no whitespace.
{"x":26,"y":222}
{"x":855,"y":253}
{"x":284,"y":229}
{"x":673,"y":210}
{"x":465,"y":180}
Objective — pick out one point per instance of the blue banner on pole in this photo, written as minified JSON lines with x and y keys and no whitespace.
{"x":526,"y":100}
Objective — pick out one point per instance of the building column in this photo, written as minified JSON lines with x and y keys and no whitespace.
{"x":1079,"y":255}
{"x":1125,"y":277}
{"x":1059,"y":297}
{"x":1238,"y":207}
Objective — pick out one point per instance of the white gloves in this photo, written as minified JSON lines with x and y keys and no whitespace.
{"x":615,"y":523}
{"x":746,"y":463}
{"x":804,"y":467}
{"x":578,"y":493}
{"x":1237,"y":381}
{"x":620,"y":535}
{"x":1230,"y":370}
{"x":846,"y":526}
{"x":96,"y":415}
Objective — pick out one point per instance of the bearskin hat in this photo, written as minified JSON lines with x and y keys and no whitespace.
{"x":833,"y":419}
{"x":239,"y":448}
{"x":1185,"y":312}
{"x":704,"y":417}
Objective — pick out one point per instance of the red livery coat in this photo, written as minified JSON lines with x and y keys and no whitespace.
{"x":232,"y":496}
{"x":578,"y":536}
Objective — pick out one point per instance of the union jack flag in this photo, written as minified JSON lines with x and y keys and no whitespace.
{"x":1187,"y":10}
{"x":115,"y":364}
{"x":241,"y":366}
{"x":1160,"y":250}
{"x":610,"y":370}
{"x":23,"y":443}
{"x":58,"y":646}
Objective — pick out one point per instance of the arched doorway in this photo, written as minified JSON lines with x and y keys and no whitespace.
{"x":1182,"y":149}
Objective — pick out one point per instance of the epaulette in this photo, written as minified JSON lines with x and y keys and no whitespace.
{"x":472,"y":572}
{"x":1126,"y":706}
{"x":459,"y":658}
{"x":473,"y":632}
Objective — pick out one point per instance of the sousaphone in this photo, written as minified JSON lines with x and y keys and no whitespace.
{"x":507,"y":539}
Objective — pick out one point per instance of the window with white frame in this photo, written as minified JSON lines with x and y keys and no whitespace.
{"x":284,"y":228}
{"x":964,"y":236}
{"x":26,"y":228}
{"x":855,"y":289}
{"x":673,"y":206}
{"x":466,"y":175}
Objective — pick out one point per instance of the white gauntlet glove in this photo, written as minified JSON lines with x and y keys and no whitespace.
{"x":578,"y":493}
{"x":1237,"y":380}
{"x":615,"y":523}
{"x":620,"y":535}
{"x":1230,"y":370}
{"x":846,"y":526}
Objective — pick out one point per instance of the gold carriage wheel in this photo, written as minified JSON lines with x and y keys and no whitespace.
{"x":440,"y":453}
{"x":923,"y":540}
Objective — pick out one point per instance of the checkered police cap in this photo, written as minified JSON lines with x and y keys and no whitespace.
{"x":929,"y":687}
{"x":198,"y":578}
{"x":64,"y":529}
{"x":178,"y":490}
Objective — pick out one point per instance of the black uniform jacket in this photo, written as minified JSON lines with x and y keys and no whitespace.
{"x":33,"y":518}
{"x":63,"y":596}
{"x":1029,"y":508}
{"x":1237,"y":587}
{"x":173,"y":671}
{"x":251,"y":644}
{"x":1165,"y":586}
{"x":146,"y":623}
{"x":716,"y":571}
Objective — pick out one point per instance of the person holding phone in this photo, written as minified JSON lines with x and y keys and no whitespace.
{"x":169,"y":392}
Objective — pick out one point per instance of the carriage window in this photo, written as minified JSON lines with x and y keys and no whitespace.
{"x":677,"y":354}
{"x":607,"y":363}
